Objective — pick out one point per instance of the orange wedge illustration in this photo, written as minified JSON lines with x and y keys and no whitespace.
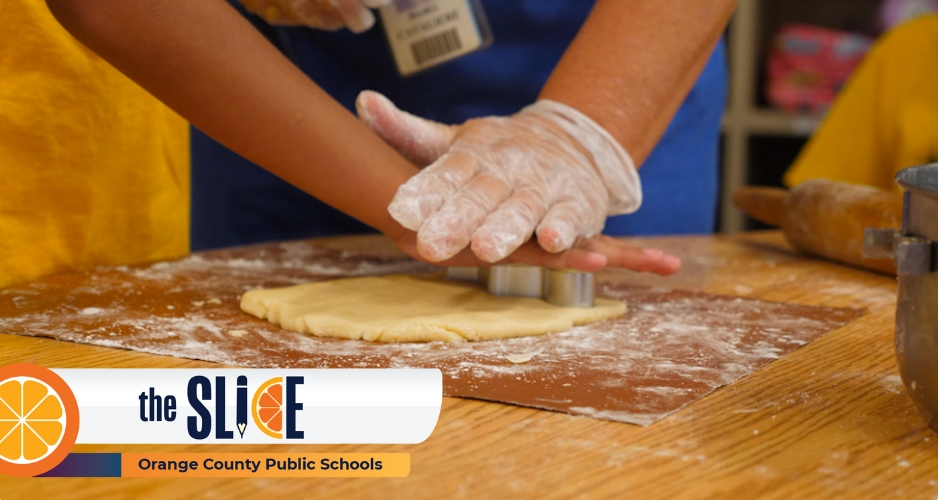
{"x":267,"y":407}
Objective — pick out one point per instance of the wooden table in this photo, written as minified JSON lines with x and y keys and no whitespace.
{"x":831,"y":420}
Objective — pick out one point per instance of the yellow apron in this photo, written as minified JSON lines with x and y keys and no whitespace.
{"x":93,"y":170}
{"x":886,"y":118}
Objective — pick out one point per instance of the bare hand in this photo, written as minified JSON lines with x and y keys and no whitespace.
{"x":587,"y":255}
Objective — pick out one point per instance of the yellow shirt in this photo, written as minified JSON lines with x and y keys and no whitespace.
{"x":93,"y":170}
{"x":886,"y":118}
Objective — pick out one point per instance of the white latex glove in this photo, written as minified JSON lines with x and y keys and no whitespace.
{"x":493,"y":182}
{"x":329,"y":15}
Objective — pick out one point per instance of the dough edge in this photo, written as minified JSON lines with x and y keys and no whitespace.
{"x":518,"y":317}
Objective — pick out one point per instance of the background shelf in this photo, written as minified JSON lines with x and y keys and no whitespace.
{"x":759,"y":142}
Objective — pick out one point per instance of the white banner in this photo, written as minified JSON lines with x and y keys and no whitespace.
{"x":255,"y":406}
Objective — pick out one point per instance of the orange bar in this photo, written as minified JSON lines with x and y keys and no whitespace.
{"x":265,"y":464}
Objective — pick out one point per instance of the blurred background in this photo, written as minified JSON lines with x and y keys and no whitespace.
{"x":787,"y":60}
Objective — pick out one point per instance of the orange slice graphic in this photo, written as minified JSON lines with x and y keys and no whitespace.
{"x":267,"y":407}
{"x":38,"y":420}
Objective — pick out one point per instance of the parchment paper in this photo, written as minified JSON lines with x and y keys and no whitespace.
{"x":671,"y":348}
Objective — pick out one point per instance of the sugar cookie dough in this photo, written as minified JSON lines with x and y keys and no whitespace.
{"x":409,"y":309}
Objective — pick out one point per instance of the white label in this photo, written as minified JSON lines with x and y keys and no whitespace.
{"x":424,"y":33}
{"x":240,"y":406}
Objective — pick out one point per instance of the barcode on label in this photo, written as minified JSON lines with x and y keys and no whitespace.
{"x":435,"y":46}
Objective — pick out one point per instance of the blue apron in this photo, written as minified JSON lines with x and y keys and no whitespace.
{"x":235,"y":202}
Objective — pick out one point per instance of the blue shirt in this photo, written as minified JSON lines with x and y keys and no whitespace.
{"x":236,"y":202}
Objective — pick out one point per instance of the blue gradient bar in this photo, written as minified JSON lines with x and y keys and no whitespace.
{"x":87,"y":465}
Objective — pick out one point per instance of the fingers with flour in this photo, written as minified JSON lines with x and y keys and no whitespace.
{"x":450,"y":229}
{"x":330,"y":15}
{"x":354,"y":14}
{"x":566,"y":221}
{"x":420,"y":141}
{"x":424,"y":194}
{"x":509,"y":226}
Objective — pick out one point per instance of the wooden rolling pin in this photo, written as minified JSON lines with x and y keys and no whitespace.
{"x":826,"y":218}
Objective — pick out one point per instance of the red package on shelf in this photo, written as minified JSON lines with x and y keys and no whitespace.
{"x":809,"y":64}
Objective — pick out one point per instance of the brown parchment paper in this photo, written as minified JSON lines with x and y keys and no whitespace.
{"x":671,"y":348}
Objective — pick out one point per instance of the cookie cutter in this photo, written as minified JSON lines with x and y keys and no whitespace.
{"x":561,"y":287}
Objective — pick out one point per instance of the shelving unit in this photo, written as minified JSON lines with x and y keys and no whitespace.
{"x":747,"y":117}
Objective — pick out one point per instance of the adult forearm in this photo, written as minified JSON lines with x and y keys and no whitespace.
{"x":210,"y":65}
{"x":633,"y":63}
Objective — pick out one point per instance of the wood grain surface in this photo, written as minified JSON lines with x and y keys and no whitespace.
{"x":831,"y":420}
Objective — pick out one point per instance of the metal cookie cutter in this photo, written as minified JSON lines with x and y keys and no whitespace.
{"x":559,"y":287}
{"x":915,"y":250}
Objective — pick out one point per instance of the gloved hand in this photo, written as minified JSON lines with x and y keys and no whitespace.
{"x":493,"y":182}
{"x":329,"y":15}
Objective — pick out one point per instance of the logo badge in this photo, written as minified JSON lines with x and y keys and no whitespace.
{"x":38,"y":420}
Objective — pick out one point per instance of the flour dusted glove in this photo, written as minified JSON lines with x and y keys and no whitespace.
{"x":329,"y":15}
{"x":493,"y":182}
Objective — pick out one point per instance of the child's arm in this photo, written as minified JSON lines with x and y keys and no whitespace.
{"x":206,"y":62}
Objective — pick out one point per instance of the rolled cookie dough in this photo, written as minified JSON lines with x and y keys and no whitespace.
{"x":409,"y":309}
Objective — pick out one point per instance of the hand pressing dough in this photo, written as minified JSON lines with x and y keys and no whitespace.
{"x":409,"y":309}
